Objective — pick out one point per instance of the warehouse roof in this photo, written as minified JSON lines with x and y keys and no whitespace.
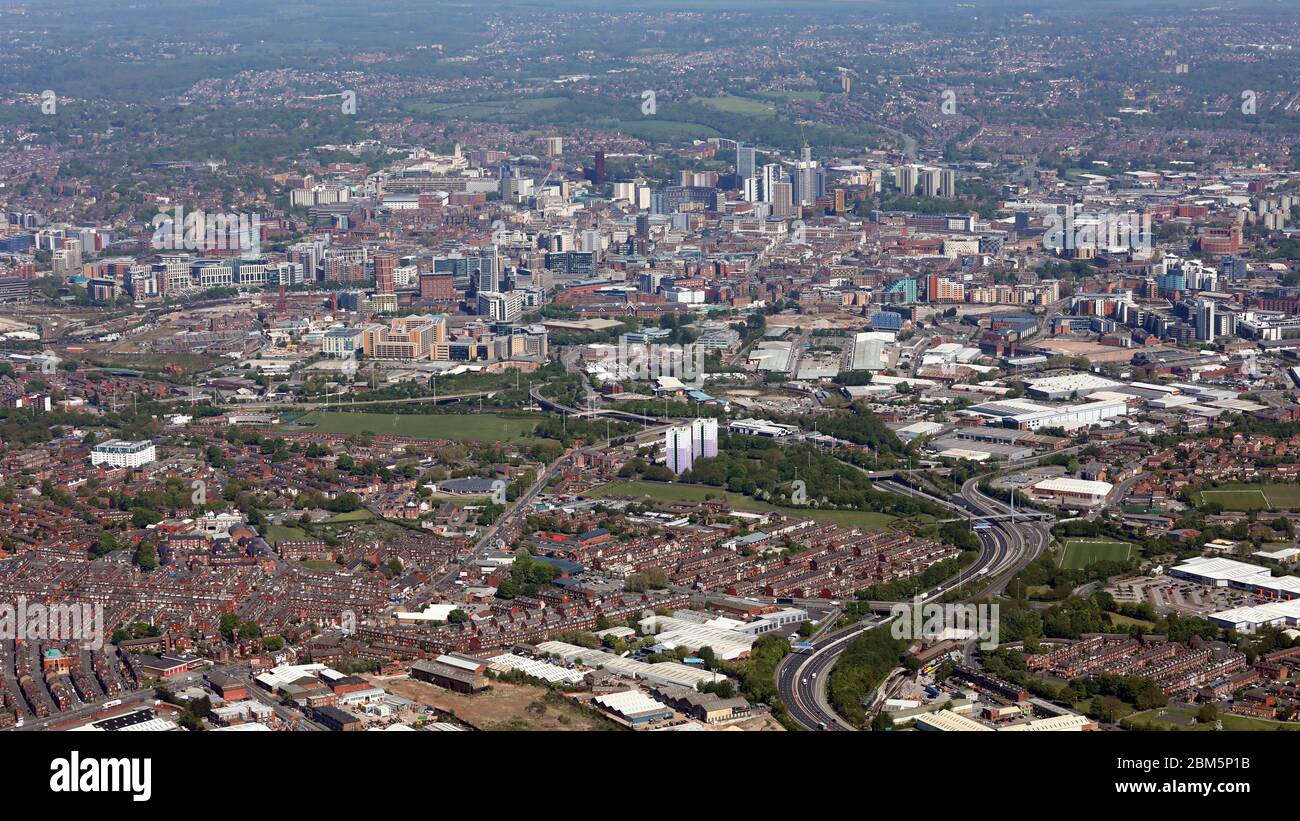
{"x":664,"y":672}
{"x":1055,"y":723}
{"x":1279,"y":611}
{"x":948,"y":721}
{"x":1224,"y":569}
{"x":630,"y":703}
{"x":1071,"y":382}
{"x":1064,"y":484}
{"x":543,"y":670}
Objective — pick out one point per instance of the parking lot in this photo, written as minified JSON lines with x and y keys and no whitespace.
{"x":1170,"y":595}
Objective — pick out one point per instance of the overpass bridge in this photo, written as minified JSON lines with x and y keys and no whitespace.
{"x":1018,"y":516}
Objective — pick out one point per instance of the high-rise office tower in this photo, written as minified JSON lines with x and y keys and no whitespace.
{"x":508,"y":177}
{"x":745,"y":168}
{"x":805,"y":178}
{"x":782,"y":200}
{"x":1205,"y":329}
{"x":486,"y":279}
{"x":500,"y":306}
{"x":1236,"y":268}
{"x":771,"y":176}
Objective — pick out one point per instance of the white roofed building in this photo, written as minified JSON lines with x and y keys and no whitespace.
{"x":1069,"y":492}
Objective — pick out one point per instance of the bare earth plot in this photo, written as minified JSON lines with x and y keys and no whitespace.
{"x":504,"y":707}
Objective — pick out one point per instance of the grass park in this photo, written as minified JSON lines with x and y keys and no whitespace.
{"x":360,"y":515}
{"x":667,"y":130}
{"x":1183,"y":719}
{"x":284,"y":533}
{"x":731,"y":104}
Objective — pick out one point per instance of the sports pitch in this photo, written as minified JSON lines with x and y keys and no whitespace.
{"x":1079,"y":553}
{"x":1254,"y":497}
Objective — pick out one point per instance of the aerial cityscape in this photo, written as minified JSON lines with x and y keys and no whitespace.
{"x":693,"y":365}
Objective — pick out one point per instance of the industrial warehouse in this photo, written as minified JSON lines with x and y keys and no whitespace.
{"x":1219,"y":572}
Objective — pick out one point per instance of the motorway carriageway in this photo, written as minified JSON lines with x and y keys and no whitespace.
{"x":1006,"y":548}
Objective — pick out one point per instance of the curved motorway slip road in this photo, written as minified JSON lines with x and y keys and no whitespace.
{"x":801,"y":679}
{"x":1006,"y":547}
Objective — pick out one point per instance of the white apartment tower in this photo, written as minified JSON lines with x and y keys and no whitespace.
{"x":683,"y":445}
{"x":677,"y":449}
{"x":704,"y":438}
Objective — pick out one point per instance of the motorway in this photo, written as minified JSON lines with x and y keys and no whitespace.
{"x":1006,"y":547}
{"x":801,"y":679}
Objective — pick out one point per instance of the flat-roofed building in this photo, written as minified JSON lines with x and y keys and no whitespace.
{"x":1070,"y":385}
{"x":947,"y":721}
{"x":404,"y":338}
{"x":121,"y":453}
{"x":1072,"y":492}
{"x":760,"y":427}
{"x":336,"y":719}
{"x":1067,"y":723}
{"x":1280,"y":614}
{"x":1069,"y":417}
{"x":342,"y":343}
{"x":1220,"y":572}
